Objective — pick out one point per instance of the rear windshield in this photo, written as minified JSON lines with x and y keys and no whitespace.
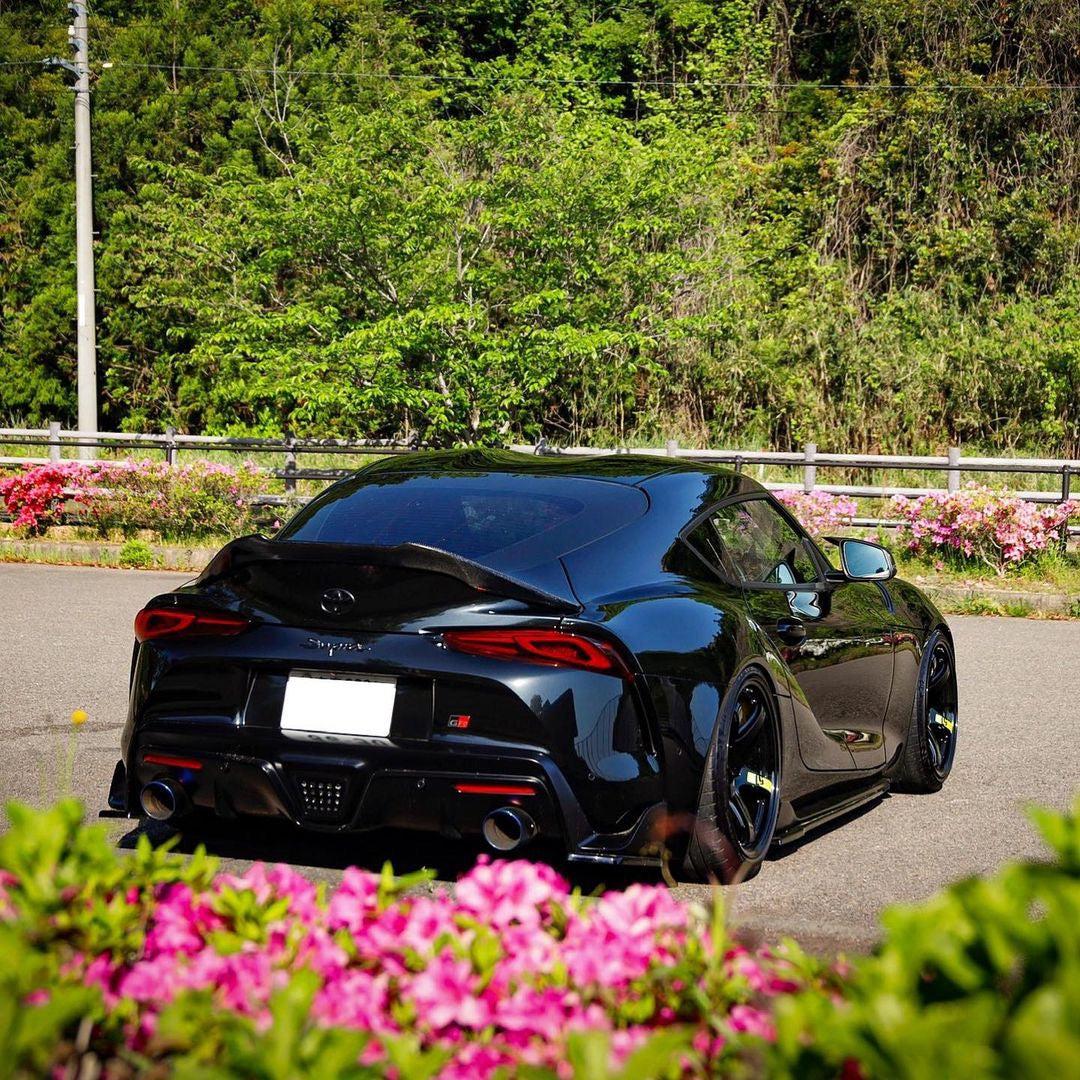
{"x":499,"y":519}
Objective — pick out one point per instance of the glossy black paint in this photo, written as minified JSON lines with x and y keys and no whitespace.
{"x":610,"y":761}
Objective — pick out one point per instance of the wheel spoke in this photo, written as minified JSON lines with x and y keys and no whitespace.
{"x":751,"y":715}
{"x":936,"y":755}
{"x":742,"y":816}
{"x":756,"y":790}
{"x":940,"y":728}
{"x":940,"y":669}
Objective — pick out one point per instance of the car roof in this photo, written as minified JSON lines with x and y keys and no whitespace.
{"x":630,"y":469}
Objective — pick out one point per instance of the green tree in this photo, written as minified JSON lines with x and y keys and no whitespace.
{"x":488,"y":219}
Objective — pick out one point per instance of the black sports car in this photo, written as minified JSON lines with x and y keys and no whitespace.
{"x":628,"y":655}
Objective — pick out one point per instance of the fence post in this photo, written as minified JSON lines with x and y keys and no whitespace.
{"x":290,"y":465}
{"x":809,"y":469}
{"x":54,"y":440}
{"x":672,"y":447}
{"x":1066,"y":496}
{"x":953,"y":481}
{"x":170,"y":445}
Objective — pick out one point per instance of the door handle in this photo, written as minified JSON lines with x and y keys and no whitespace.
{"x":790,"y":631}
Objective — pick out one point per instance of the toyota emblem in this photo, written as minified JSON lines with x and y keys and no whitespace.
{"x":337,"y":601}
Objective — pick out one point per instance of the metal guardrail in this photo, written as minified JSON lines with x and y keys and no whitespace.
{"x":172,"y":442}
{"x":810,"y":460}
{"x":953,"y":464}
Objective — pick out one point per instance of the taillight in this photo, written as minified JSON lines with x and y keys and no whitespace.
{"x":172,"y":761}
{"x":494,"y":789}
{"x":159,"y":622}
{"x":555,"y":648}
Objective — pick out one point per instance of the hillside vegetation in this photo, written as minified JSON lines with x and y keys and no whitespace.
{"x":854,"y":221}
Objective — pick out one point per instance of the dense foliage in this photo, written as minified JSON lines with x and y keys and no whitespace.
{"x":151,"y":964}
{"x":267,"y":975}
{"x":589,"y":219}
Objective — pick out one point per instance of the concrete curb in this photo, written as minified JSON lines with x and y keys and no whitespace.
{"x":1050,"y":603}
{"x":101,"y":553}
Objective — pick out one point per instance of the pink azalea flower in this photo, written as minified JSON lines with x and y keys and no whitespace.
{"x":446,"y":993}
{"x":751,"y":1021}
{"x":501,"y":893}
{"x":475,"y":1061}
{"x":426,"y":921}
{"x":356,"y":999}
{"x":355,"y":900}
{"x":536,"y":1012}
{"x":180,"y":923}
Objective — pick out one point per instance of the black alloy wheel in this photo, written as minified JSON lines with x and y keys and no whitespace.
{"x":740,"y":792}
{"x":930,"y":748}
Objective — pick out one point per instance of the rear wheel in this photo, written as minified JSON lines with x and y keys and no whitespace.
{"x":930,"y":747}
{"x":740,"y":790}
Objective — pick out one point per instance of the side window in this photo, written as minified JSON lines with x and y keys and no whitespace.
{"x":752,"y":542}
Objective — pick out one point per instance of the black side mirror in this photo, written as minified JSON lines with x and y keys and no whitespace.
{"x":863,"y":560}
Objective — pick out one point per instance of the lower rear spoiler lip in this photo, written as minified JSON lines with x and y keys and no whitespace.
{"x":256,"y":548}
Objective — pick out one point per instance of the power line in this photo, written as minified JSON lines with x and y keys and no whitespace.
{"x":556,"y":80}
{"x":658,"y":83}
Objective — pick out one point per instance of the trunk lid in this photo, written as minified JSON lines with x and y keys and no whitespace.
{"x":359,"y":587}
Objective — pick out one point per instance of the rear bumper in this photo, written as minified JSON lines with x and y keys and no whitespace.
{"x":371,"y":784}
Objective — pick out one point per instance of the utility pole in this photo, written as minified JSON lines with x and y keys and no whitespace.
{"x":84,"y":230}
{"x":86,"y":331}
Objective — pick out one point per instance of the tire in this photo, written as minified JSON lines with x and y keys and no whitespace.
{"x":930,"y":745}
{"x":740,"y":788}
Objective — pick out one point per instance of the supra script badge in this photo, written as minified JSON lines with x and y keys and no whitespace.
{"x":332,"y":647}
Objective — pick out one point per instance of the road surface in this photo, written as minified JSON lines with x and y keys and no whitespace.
{"x":65,"y":643}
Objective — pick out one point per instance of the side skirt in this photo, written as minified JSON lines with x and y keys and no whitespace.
{"x":831,"y":811}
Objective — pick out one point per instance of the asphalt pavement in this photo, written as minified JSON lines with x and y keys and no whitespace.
{"x":65,"y":643}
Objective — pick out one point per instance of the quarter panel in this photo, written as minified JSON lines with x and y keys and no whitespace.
{"x":690,"y":647}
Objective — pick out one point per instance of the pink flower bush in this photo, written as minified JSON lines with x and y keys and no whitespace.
{"x":493,"y":974}
{"x":35,"y":497}
{"x":978,"y":524}
{"x":154,"y":964}
{"x":183,"y":501}
{"x":818,"y":511}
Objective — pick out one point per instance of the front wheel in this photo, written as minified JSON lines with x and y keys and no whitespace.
{"x":930,"y":746}
{"x":740,"y":790}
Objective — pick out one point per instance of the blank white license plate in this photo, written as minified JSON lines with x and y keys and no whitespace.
{"x":338,"y":705}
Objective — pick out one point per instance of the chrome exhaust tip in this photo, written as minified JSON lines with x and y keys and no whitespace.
{"x":508,"y":828}
{"x":163,"y":799}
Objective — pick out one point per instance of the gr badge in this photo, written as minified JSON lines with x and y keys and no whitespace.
{"x":459,"y":721}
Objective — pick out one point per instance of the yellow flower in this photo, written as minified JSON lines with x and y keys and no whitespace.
{"x":79,"y":717}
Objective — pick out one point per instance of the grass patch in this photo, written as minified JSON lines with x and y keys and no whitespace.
{"x":1053,"y":571}
{"x":137,"y":555}
{"x":988,"y":605}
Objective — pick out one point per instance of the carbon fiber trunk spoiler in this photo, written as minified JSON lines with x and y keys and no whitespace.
{"x":248,"y":550}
